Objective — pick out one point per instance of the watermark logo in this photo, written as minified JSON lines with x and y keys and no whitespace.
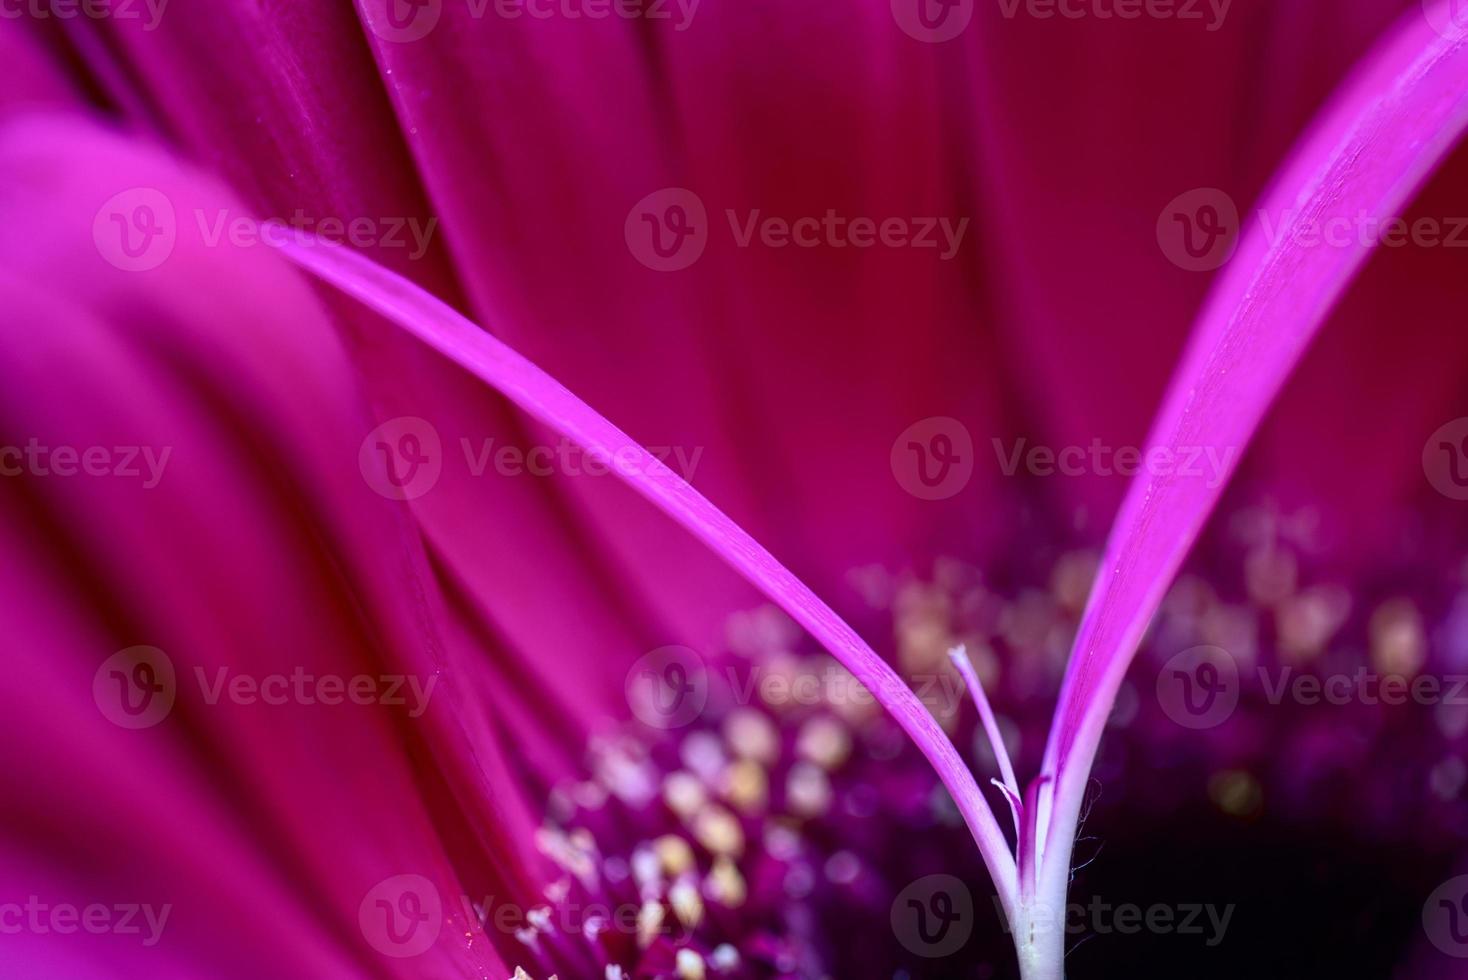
{"x":1445,"y":459}
{"x":933,"y":459}
{"x":668,"y":687}
{"x":402,"y":21}
{"x":668,"y":229}
{"x":1448,"y":17}
{"x":932,"y":21}
{"x":401,"y":916}
{"x":136,"y":230}
{"x":933,"y":916}
{"x":135,"y":688}
{"x":1445,"y":917}
{"x":402,"y":458}
{"x":1199,"y":230}
{"x":1199,"y":688}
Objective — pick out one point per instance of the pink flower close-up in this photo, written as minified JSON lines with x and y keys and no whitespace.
{"x":684,"y":489}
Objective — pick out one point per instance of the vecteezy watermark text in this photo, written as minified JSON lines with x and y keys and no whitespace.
{"x":243,"y":231}
{"x":569,"y":459}
{"x":1213,"y":11}
{"x":143,"y":463}
{"x":833,"y":230}
{"x":669,"y":687}
{"x":138,"y":229}
{"x":1102,"y":918}
{"x":1200,"y":687}
{"x":1200,"y":230}
{"x":403,"y":915}
{"x":403,"y":458}
{"x":300,"y":687}
{"x":1303,"y":230}
{"x":567,"y":918}
{"x":1363,"y":687}
{"x":150,"y":12}
{"x":1210,"y":463}
{"x":669,"y":229}
{"x":679,"y":12}
{"x":406,"y":21}
{"x":138,"y":687}
{"x":41,"y":918}
{"x":941,"y":693}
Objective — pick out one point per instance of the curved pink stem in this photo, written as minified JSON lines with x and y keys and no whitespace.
{"x":545,"y":399}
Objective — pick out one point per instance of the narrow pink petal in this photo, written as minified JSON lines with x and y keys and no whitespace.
{"x":550,"y":403}
{"x":960,"y":658}
{"x":1029,"y":843}
{"x":1368,"y":153}
{"x":1015,"y":804}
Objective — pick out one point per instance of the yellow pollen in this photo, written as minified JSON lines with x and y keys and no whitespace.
{"x":1398,"y":645}
{"x":1236,"y":793}
{"x":824,"y":741}
{"x":726,"y":958}
{"x":689,"y":965}
{"x":807,"y":790}
{"x":1070,"y":580}
{"x":674,"y":853}
{"x":746,"y":786}
{"x":687,"y":902}
{"x":719,"y":831}
{"x":649,"y":923}
{"x":725,"y":884}
{"x":752,"y":735}
{"x":683,"y":793}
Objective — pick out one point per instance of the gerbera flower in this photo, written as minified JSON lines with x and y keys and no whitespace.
{"x":344,"y":650}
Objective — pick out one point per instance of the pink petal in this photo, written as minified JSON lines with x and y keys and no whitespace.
{"x":1370,"y":151}
{"x":553,"y":405}
{"x":260,"y":550}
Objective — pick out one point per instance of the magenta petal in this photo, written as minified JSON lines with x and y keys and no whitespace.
{"x":1368,"y":153}
{"x":552,"y":404}
{"x":258,"y":550}
{"x":35,"y":76}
